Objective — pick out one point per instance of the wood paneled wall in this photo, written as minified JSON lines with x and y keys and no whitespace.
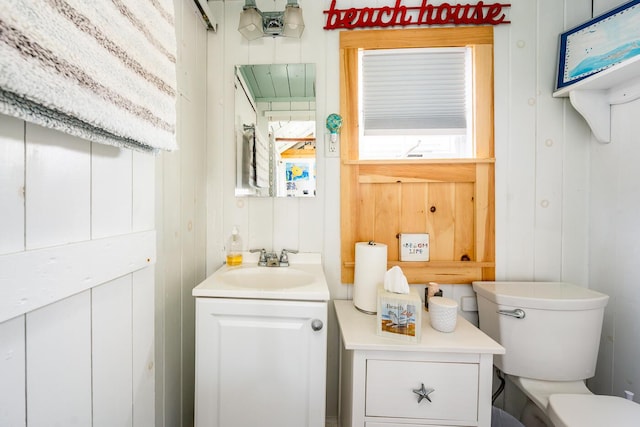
{"x":452,"y":200}
{"x":181,"y":224}
{"x":92,"y":333}
{"x":77,"y":284}
{"x":541,"y":148}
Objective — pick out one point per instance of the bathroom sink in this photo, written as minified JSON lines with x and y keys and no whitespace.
{"x":303,"y":280}
{"x":267,"y":277}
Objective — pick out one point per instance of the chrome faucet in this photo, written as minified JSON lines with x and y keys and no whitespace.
{"x":284,"y":258}
{"x":262,"y":262}
{"x":270,"y":259}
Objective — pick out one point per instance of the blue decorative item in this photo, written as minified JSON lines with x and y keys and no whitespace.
{"x":599,"y":44}
{"x":334,"y":123}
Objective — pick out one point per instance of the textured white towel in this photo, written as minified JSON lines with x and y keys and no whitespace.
{"x":103,"y":70}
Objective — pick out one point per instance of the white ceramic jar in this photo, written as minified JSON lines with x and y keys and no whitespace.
{"x":443,"y":313}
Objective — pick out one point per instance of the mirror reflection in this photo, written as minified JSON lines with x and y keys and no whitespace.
{"x":275,"y":130}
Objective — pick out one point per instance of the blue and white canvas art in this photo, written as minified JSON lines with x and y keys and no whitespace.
{"x":599,"y":44}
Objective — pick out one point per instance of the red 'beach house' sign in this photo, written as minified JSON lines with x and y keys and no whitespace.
{"x":425,"y":14}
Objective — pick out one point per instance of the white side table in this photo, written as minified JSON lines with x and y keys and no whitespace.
{"x":444,"y":380}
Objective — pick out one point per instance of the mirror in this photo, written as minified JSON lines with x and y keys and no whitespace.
{"x":275,"y":130}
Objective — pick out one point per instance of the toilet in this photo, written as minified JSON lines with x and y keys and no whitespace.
{"x":551,"y":333}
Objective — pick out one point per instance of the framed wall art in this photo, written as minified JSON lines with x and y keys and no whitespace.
{"x":598,"y":44}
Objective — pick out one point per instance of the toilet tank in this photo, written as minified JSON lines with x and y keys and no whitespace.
{"x":554,"y":336}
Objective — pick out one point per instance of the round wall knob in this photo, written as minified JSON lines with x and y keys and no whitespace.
{"x":316,"y":324}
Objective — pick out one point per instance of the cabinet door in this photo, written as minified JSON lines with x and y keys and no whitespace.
{"x":260,"y":363}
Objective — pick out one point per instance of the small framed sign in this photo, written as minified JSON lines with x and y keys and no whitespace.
{"x":414,"y":246}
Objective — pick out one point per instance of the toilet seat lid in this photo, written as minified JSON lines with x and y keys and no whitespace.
{"x":590,"y":410}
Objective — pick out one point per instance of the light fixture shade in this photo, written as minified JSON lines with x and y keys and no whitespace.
{"x":250,"y":25}
{"x":293,"y":22}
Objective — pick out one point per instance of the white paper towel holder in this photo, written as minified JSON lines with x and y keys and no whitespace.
{"x":370,"y":305}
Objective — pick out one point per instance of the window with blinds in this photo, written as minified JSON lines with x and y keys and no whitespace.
{"x":415,"y":103}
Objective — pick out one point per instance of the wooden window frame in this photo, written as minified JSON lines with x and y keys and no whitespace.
{"x":390,"y":202}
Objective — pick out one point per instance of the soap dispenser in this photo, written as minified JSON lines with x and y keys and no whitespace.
{"x":234,"y":248}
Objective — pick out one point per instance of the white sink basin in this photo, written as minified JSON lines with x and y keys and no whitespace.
{"x":267,"y":277}
{"x":303,"y":280}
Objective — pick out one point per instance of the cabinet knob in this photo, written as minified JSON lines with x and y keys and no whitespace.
{"x":316,"y":324}
{"x":423,"y":393}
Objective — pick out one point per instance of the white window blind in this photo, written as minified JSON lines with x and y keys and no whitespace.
{"x":414,"y":91}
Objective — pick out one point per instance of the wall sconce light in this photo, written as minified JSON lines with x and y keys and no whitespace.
{"x":255,"y":24}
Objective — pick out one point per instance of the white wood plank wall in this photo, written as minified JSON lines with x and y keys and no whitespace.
{"x":59,"y":194}
{"x":309,"y":224}
{"x":181,"y":222}
{"x":541,"y":154}
{"x":79,"y":305}
{"x":614,"y":237}
{"x":542,"y":151}
{"x":67,"y":280}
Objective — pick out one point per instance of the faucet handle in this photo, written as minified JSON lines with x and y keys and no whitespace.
{"x":284,"y":258}
{"x":263,"y":256}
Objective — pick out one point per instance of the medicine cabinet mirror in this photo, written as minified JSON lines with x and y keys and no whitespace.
{"x":275,"y":130}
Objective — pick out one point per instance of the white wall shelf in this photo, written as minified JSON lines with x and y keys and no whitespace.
{"x":593,"y":96}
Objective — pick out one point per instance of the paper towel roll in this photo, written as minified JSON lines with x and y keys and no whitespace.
{"x":371,"y":265}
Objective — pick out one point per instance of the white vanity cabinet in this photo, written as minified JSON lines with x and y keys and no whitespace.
{"x":381,"y":378}
{"x":260,"y":363}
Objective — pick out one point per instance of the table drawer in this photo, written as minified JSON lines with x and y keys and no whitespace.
{"x":390,"y":385}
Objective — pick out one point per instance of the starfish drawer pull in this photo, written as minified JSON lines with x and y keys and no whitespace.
{"x":423,"y":393}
